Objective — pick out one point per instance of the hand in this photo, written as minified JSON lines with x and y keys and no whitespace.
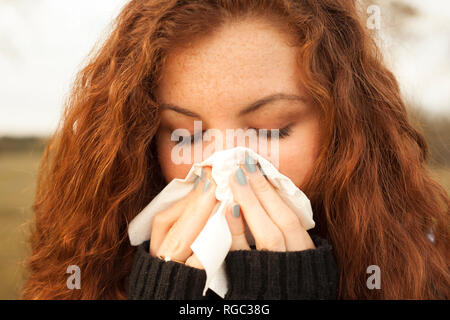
{"x":274,"y":226}
{"x":175,"y":229}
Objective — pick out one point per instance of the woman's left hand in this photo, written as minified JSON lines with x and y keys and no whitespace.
{"x":274,"y":226}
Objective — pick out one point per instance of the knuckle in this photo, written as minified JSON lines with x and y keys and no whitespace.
{"x":290,"y":223}
{"x":260,"y":185}
{"x":160,"y":219}
{"x":238,"y":235}
{"x":179,"y":246}
{"x":173,"y":246}
{"x":274,"y":242}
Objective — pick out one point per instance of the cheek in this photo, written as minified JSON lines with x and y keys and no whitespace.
{"x":299,"y":154}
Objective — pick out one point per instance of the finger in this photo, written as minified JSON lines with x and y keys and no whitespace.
{"x":237,"y":229}
{"x":295,"y":235}
{"x":194,"y":262}
{"x":266,"y":233}
{"x":197,"y":212}
{"x":164,"y":220}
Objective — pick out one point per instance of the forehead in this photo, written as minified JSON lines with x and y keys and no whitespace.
{"x":241,"y":62}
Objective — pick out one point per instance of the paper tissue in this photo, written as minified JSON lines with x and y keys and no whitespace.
{"x":214,"y":241}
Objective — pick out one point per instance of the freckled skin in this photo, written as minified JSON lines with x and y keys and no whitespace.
{"x":218,"y":76}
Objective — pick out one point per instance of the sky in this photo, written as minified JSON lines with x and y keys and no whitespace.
{"x":43,"y":43}
{"x":421,"y":62}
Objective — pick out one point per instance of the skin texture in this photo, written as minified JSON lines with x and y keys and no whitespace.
{"x":216,"y":78}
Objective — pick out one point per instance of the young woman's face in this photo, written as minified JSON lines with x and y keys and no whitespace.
{"x":216,"y":79}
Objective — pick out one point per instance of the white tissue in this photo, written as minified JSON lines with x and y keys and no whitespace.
{"x":214,"y":241}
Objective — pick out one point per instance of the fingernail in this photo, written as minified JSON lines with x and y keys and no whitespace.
{"x":250,"y":163}
{"x":240,"y":177}
{"x":196,"y":182}
{"x":236,"y":210}
{"x":207,"y":184}
{"x":202,"y":176}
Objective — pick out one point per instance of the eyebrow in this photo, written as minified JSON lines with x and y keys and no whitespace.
{"x":250,"y":108}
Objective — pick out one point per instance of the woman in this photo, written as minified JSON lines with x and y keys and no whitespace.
{"x":345,"y":140}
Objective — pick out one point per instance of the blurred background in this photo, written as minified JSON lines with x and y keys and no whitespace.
{"x":43,"y":43}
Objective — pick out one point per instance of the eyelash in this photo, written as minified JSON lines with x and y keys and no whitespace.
{"x":283,"y":133}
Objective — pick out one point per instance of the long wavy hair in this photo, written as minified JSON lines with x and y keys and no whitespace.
{"x":370,"y":189}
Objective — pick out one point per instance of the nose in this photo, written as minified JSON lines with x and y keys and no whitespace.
{"x":226,"y":138}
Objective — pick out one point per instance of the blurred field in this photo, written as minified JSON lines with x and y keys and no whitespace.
{"x":443,"y":176}
{"x":19,"y":161}
{"x":17,"y":184}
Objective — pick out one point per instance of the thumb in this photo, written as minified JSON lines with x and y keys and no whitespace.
{"x":236,"y":225}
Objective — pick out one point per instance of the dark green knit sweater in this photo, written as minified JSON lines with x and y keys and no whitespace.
{"x":252,"y":274}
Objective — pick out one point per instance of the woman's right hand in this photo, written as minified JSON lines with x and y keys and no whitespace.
{"x":175,"y":228}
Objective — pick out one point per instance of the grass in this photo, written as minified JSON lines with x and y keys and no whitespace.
{"x":17,"y":185}
{"x":442,"y":175}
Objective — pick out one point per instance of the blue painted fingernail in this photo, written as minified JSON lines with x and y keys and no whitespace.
{"x":202,"y":176}
{"x":236,"y":210}
{"x":207,"y":184}
{"x":196,"y":182}
{"x":240,"y":177}
{"x":250,"y":163}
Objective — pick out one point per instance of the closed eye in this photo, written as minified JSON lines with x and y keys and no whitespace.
{"x":283,"y":133}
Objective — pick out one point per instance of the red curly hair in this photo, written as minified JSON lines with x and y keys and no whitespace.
{"x":370,"y":190}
